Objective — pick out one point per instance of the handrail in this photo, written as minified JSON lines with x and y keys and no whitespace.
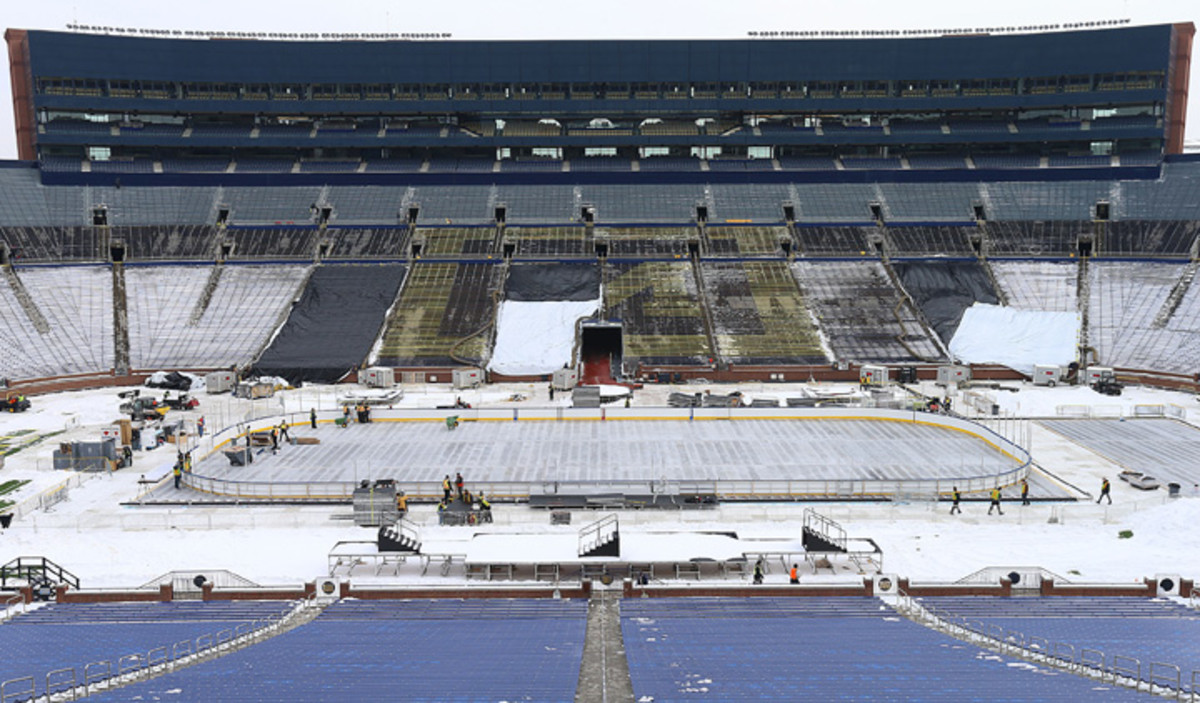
{"x":204,"y":642}
{"x":1092,"y":663}
{"x":17,"y":695}
{"x":100,"y":672}
{"x":1060,"y":647}
{"x":103,"y":672}
{"x":595,"y":534}
{"x":130,"y":663}
{"x":1120,"y":666}
{"x":13,"y":600}
{"x":406,"y":528}
{"x":157,"y":656}
{"x":825,"y":527}
{"x":1120,"y":669}
{"x":1154,"y":676}
{"x":62,"y":682}
{"x":26,"y":566}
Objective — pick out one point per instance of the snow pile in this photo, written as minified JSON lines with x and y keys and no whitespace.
{"x":1018,"y":339}
{"x":536,"y":337}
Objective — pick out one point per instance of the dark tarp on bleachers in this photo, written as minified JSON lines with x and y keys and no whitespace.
{"x":945,"y":289}
{"x":332,"y":327}
{"x":539,"y":282}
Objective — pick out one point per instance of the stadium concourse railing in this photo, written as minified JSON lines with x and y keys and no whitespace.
{"x":723,"y":489}
{"x":74,"y":682}
{"x":1153,"y":677}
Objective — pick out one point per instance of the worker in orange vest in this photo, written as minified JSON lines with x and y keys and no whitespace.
{"x":793,"y":573}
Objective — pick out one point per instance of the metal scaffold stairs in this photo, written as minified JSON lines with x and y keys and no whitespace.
{"x":601,"y":538}
{"x":403,"y":536}
{"x":32,"y":570}
{"x":822,"y":534}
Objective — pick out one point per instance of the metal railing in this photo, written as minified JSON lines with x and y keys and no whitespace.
{"x":11,"y":605}
{"x":107,"y":674}
{"x":1160,"y":678}
{"x":597,"y":533}
{"x":825,"y":528}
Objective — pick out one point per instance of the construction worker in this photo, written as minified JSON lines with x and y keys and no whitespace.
{"x":446,"y":489}
{"x":402,"y":502}
{"x":1105,"y":487}
{"x":484,"y":504}
{"x":995,"y":501}
{"x":758,"y":571}
{"x":955,"y":496}
{"x":795,"y":576}
{"x":1024,"y":492}
{"x":178,"y":471}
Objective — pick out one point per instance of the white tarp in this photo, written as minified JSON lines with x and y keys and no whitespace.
{"x":536,"y":337}
{"x":1018,"y":339}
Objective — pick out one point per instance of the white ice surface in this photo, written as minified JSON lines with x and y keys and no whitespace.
{"x":110,"y":545}
{"x":1018,"y":339}
{"x":536,"y":337}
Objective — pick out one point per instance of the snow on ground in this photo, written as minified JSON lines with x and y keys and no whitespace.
{"x":536,"y":337}
{"x":1018,"y":339}
{"x":111,"y":545}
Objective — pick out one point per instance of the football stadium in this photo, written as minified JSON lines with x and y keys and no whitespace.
{"x":801,"y":366}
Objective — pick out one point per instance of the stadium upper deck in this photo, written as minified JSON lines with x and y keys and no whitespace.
{"x":154,"y":105}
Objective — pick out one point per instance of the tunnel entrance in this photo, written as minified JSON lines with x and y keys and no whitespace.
{"x":600,"y":354}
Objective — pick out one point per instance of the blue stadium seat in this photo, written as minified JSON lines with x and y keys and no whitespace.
{"x":1146,"y":629}
{"x":601,"y":163}
{"x":264,"y":165}
{"x":123,"y":166}
{"x":936,"y":161}
{"x":871,"y":162}
{"x":1006,"y":160}
{"x":60,"y":636}
{"x":195,"y":165}
{"x":821,"y":649}
{"x":441,"y":650}
{"x":329,"y":166}
{"x":978,"y":127}
{"x":1082,"y":161}
{"x":531,"y":165}
{"x":807,"y":163}
{"x":394,"y":165}
{"x":61,"y":163}
{"x":669,"y":163}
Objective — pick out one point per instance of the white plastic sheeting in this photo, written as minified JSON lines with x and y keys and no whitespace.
{"x":536,"y":337}
{"x":1018,"y":339}
{"x":242,"y":312}
{"x":77,"y":303}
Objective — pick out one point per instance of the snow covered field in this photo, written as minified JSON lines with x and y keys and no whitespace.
{"x":108,"y":544}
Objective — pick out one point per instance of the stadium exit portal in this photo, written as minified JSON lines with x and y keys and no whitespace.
{"x":600,"y":354}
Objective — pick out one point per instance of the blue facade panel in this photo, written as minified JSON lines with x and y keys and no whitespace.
{"x":60,"y":54}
